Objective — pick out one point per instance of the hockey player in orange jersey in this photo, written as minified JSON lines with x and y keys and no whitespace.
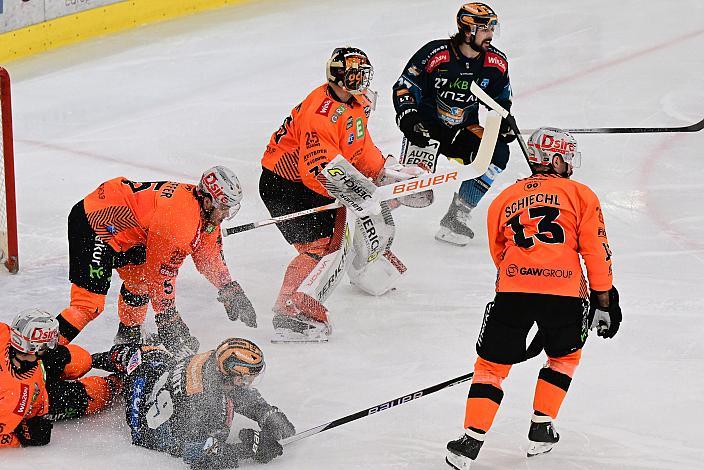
{"x":538,"y":229}
{"x":37,"y":380}
{"x":145,"y":230}
{"x":330,"y":121}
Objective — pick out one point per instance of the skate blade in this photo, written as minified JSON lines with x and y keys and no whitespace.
{"x":288,"y":336}
{"x":458,"y":462}
{"x":537,"y":448}
{"x":448,"y":236}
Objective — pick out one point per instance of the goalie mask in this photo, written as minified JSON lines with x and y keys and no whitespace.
{"x":33,"y":331}
{"x":240,"y":359}
{"x":223,"y":187}
{"x":547,"y":143}
{"x":350,"y":69}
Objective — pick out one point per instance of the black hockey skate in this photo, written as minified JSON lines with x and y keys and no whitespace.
{"x":461,"y":452}
{"x":542,"y":437}
{"x":454,"y":226}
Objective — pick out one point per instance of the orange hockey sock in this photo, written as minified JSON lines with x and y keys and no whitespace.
{"x":553,"y":383}
{"x":485,"y":394}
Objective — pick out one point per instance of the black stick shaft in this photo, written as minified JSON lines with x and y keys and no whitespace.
{"x":378,"y":408}
{"x":696,"y":127}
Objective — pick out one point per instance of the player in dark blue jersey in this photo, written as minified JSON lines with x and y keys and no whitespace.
{"x":432,"y":100}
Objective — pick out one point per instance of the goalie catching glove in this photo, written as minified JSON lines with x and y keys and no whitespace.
{"x":605,"y":318}
{"x":393,"y":172}
{"x":237,"y":305}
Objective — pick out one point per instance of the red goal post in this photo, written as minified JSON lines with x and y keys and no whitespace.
{"x":8,"y":212}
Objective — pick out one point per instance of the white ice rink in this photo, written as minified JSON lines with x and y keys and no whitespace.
{"x":167,"y":101}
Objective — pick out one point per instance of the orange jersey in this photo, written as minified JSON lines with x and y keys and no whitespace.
{"x":317,"y":131}
{"x":165,"y":217}
{"x":538,"y":227}
{"x":22,"y":396}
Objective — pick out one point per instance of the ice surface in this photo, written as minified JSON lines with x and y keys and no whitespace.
{"x":169,"y":100}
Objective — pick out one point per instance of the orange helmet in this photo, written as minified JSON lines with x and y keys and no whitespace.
{"x":476,"y":15}
{"x":240,"y":359}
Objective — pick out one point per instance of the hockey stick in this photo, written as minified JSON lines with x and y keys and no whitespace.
{"x":631,"y":130}
{"x":533,"y":349}
{"x":407,"y":187}
{"x":492,"y":104}
{"x":378,"y":408}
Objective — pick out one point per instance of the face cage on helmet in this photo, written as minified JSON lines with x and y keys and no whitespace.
{"x":26,"y":346}
{"x":231,"y":210}
{"x":358,"y":73}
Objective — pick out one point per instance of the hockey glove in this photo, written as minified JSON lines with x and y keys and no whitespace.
{"x":55,"y":360}
{"x":412,"y":126}
{"x":34,"y":431}
{"x":237,"y":305}
{"x":135,"y":255}
{"x":606,"y":319}
{"x":277,"y":424}
{"x":175,"y":335}
{"x":260,"y":445}
{"x":214,"y":454}
{"x":506,"y":134}
{"x":393,"y":172}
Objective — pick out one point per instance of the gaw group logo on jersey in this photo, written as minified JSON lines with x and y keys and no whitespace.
{"x":512,"y":270}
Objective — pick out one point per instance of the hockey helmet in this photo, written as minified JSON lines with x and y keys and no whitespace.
{"x":476,"y":15}
{"x":240,"y":359}
{"x":350,"y":69}
{"x":223,"y":187}
{"x":548,"y":142}
{"x":34,"y":330}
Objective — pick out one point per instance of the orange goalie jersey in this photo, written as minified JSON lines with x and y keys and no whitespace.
{"x":317,"y":131}
{"x":538,"y":228}
{"x":165,"y":217}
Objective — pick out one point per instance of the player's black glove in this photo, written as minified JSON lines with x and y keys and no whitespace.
{"x":506,"y":134}
{"x":116,"y":360}
{"x":260,"y":445}
{"x":413,"y":127}
{"x":237,"y":305}
{"x":34,"y":431}
{"x":214,"y":454}
{"x":135,"y":255}
{"x":277,"y":424}
{"x":55,"y":360}
{"x":174,"y":334}
{"x":606,"y":320}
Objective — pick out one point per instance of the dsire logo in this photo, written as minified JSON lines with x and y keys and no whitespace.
{"x":40,"y":335}
{"x":556,"y":145}
{"x":215,"y":190}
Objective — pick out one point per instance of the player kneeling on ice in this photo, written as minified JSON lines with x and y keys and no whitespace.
{"x":330,"y":121}
{"x":146,"y":230}
{"x":38,"y":380}
{"x":186,"y":407}
{"x":538,"y":229}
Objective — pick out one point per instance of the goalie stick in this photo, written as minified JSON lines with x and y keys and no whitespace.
{"x":533,"y":349}
{"x":696,"y":127}
{"x":410,"y":186}
{"x":493,"y":105}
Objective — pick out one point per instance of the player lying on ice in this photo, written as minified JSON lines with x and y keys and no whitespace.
{"x":186,"y":407}
{"x":38,"y":380}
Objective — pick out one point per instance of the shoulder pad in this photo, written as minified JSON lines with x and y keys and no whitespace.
{"x":436,"y":52}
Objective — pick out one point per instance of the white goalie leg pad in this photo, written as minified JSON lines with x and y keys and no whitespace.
{"x":373,"y":235}
{"x":327,"y":274}
{"x":378,"y":276}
